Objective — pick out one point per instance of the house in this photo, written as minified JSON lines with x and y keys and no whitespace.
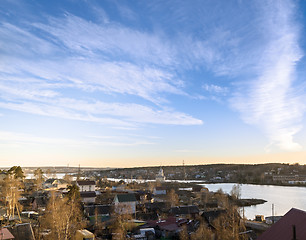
{"x":160,"y":191}
{"x":290,"y":226}
{"x":86,"y":185}
{"x":103,"y":210}
{"x":22,"y":231}
{"x":6,"y":234}
{"x":158,"y":207}
{"x":97,"y":213}
{"x":88,"y":197}
{"x":169,"y":228}
{"x":84,"y":235}
{"x":39,"y":203}
{"x":54,"y":184}
{"x":125,"y":203}
{"x":143,"y":196}
{"x":185,"y":211}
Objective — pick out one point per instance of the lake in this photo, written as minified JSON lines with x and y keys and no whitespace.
{"x":284,"y":198}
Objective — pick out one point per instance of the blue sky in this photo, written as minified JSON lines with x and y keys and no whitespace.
{"x":133,"y":83}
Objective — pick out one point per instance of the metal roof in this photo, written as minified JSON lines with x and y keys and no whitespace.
{"x":129,"y":197}
{"x":283,"y":229}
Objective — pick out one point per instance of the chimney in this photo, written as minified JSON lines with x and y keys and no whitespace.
{"x":294,"y":233}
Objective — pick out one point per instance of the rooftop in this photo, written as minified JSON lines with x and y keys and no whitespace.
{"x":129,"y":197}
{"x":85,"y":182}
{"x":283,"y":229}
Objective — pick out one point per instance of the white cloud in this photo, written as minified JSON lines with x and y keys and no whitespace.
{"x":270,"y":101}
{"x":36,"y":100}
{"x":36,"y":83}
{"x":87,"y":38}
{"x":215,"y":89}
{"x":55,"y":111}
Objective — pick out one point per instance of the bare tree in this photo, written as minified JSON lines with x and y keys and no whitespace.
{"x":203,"y":233}
{"x":230,"y":225}
{"x":123,"y":223}
{"x":173,"y":198}
{"x":11,"y":187}
{"x":39,"y":178}
{"x":236,"y":192}
{"x":63,"y":217}
{"x":184,"y":233}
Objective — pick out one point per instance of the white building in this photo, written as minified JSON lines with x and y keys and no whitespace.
{"x":125,"y":203}
{"x":86,"y":186}
{"x":87,"y":190}
{"x":160,"y":177}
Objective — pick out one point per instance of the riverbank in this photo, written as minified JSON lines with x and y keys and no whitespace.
{"x":246,"y":202}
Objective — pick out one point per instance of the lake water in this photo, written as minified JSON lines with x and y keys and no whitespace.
{"x":54,"y":175}
{"x":284,"y":198}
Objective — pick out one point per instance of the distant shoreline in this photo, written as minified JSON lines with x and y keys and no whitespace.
{"x":194,"y":181}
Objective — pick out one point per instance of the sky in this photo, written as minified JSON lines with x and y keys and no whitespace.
{"x":152,"y":83}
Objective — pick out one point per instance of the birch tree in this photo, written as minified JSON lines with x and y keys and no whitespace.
{"x":63,"y":217}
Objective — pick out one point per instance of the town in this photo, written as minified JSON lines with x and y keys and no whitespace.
{"x":137,"y":203}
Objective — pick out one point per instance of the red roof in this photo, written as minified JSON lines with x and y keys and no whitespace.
{"x":170,"y":224}
{"x":6,"y":234}
{"x":283,"y":229}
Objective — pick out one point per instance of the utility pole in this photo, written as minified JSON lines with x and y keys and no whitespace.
{"x":272,"y":213}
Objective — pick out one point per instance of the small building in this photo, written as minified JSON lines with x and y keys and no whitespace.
{"x":125,"y":203}
{"x":185,"y":211}
{"x":86,"y":186}
{"x":158,"y":207}
{"x":272,"y":219}
{"x":54,"y":184}
{"x":84,"y":235}
{"x":168,"y":228}
{"x":259,"y":218}
{"x":39,"y":203}
{"x":88,"y":197}
{"x":97,"y":213}
{"x":22,"y":231}
{"x":160,"y":191}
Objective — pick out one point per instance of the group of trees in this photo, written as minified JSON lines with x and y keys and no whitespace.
{"x":10,"y":191}
{"x":63,"y":214}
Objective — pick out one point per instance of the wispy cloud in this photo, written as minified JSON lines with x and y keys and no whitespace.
{"x":34,"y":81}
{"x":215,"y":89}
{"x":87,"y":38}
{"x":270,"y":101}
{"x":63,"y":66}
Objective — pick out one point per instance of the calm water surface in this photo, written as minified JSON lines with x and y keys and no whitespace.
{"x":283,"y":198}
